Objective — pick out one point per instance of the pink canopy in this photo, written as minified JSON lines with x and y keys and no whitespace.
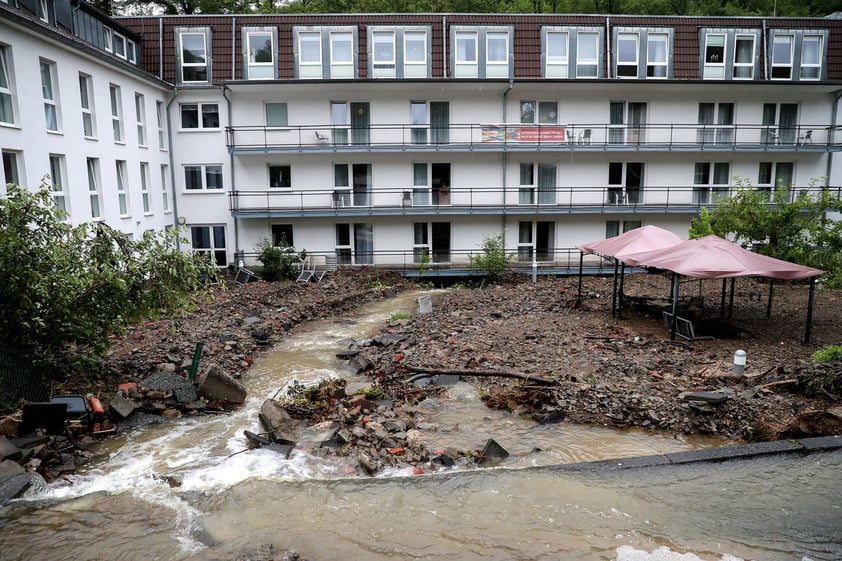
{"x":712,"y":257}
{"x":646,"y":238}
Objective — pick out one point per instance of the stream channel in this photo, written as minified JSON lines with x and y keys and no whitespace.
{"x":786,"y":508}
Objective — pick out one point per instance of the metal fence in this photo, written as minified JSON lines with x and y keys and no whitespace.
{"x":19,"y":380}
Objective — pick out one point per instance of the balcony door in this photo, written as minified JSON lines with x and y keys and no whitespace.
{"x":431,"y":239}
{"x":354,"y":117}
{"x":627,"y":122}
{"x":440,"y":122}
{"x":716,"y":122}
{"x":780,"y":123}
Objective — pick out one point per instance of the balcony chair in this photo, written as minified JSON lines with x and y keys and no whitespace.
{"x":585,"y":136}
{"x":322,"y":138}
{"x":807,"y":138}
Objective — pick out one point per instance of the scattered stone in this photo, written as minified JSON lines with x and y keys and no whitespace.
{"x":123,"y":406}
{"x":217,"y":385}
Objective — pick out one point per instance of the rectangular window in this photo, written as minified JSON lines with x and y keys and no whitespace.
{"x":613,"y":227}
{"x":276,"y":114}
{"x":343,"y":244}
{"x":418,"y":114}
{"x":122,"y":188}
{"x":309,"y":54}
{"x":57,"y":187}
{"x":107,"y":35}
{"x":210,"y":240}
{"x":280,"y":175}
{"x":144,"y":187}
{"x":714,"y":56}
{"x":558,"y":59}
{"x":7,"y":112}
{"x":341,"y":54}
{"x":627,"y":55}
{"x":119,"y":45}
{"x":717,"y":123}
{"x":131,"y":51}
{"x":162,"y":124}
{"x":11,"y":172}
{"x":420,"y":242}
{"x":203,"y":177}
{"x":282,"y":234}
{"x":94,"y":188}
{"x":782,"y":49}
{"x":195,"y":67}
{"x":364,"y":244}
{"x":496,"y":54}
{"x":199,"y":116}
{"x":43,"y":12}
{"x":657,"y":55}
{"x":50,"y":95}
{"x":466,"y":65}
{"x":116,"y":112}
{"x":625,"y":183}
{"x":775,"y":175}
{"x":547,"y":112}
{"x":383,"y":54}
{"x":415,"y":54}
{"x":744,"y":57}
{"x":811,"y":57}
{"x":710,"y":180}
{"x":261,"y":55}
{"x":86,"y":95}
{"x":140,"y":116}
{"x":587,"y":51}
{"x":165,"y":187}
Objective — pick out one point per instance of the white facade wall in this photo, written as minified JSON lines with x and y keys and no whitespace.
{"x":33,"y":144}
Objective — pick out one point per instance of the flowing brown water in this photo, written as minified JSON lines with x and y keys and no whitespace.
{"x":771,"y":509}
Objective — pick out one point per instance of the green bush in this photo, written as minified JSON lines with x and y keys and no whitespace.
{"x":493,"y":261}
{"x":280,"y":262}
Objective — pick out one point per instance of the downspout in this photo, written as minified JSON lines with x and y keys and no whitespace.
{"x":444,"y":46}
{"x":225,"y":91}
{"x":233,"y":49}
{"x":161,"y":49}
{"x":505,"y":159}
{"x":765,"y":51}
{"x":608,"y":46}
{"x":172,"y":167}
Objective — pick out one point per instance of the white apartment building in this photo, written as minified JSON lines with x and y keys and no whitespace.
{"x":388,"y":139}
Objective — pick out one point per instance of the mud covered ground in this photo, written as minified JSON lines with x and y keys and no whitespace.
{"x":602,"y":369}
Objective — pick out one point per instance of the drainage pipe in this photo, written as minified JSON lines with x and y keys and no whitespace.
{"x":505,"y":162}
{"x":233,"y":190}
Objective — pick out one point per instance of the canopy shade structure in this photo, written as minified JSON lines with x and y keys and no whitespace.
{"x":712,"y":257}
{"x":643,"y":239}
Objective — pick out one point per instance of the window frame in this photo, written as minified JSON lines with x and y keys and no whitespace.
{"x":582,"y":63}
{"x":651,"y":63}
{"x":92,"y":166}
{"x":86,"y":103}
{"x":50,"y":95}
{"x":140,"y":117}
{"x":818,"y":65}
{"x":182,"y":65}
{"x":497,"y":68}
{"x":279,"y":174}
{"x":257,"y":70}
{"x":705,"y":184}
{"x":12,"y":171}
{"x":739,"y":36}
{"x":145,"y":195}
{"x":556,"y":66}
{"x":58,"y":186}
{"x":266,"y":106}
{"x":413,"y":68}
{"x":384,"y":62}
{"x":165,"y":191}
{"x":205,"y":171}
{"x":8,"y":91}
{"x":776,"y":64}
{"x":342,"y":67}
{"x":200,"y":116}
{"x":627,"y":68}
{"x":120,"y":47}
{"x":214,"y":249}
{"x":116,"y":100}
{"x":122,"y":188}
{"x":708,"y":56}
{"x":161,"y":121}
{"x":314,"y":67}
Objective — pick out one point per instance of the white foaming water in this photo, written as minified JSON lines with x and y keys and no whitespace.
{"x":628,"y":553}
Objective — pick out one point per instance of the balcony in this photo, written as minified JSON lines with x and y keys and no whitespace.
{"x":244,"y":140}
{"x":517,"y":200}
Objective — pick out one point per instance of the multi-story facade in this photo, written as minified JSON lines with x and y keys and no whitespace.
{"x":79,"y":113}
{"x":382,"y":139}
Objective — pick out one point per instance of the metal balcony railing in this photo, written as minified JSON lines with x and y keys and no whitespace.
{"x":484,"y":200}
{"x":456,"y":261}
{"x":513,"y":137}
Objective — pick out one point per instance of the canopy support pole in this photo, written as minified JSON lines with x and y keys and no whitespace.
{"x":622,"y":284}
{"x":614,"y":294}
{"x":674,"y":305}
{"x":810,"y":309}
{"x":722,"y":299}
{"x":731,"y":298}
{"x":769,"y":303}
{"x":579,"y":291}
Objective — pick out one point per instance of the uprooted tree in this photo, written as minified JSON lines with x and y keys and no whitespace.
{"x":64,"y":289}
{"x":801,"y":229}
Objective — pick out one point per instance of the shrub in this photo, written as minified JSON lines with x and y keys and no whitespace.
{"x":493,"y":260}
{"x":280,"y":262}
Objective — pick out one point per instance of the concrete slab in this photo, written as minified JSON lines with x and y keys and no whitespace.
{"x":619,"y":463}
{"x":733,"y":452}
{"x":819,"y":443}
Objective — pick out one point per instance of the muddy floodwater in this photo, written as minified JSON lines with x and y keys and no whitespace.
{"x":121,"y":507}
